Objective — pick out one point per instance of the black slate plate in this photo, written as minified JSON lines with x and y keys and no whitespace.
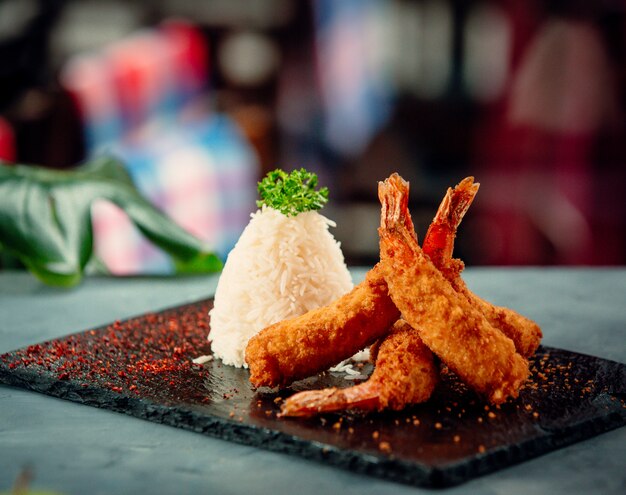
{"x":142,"y":367}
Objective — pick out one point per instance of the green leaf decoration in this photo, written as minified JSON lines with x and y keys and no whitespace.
{"x":291,"y":193}
{"x":45,"y":219}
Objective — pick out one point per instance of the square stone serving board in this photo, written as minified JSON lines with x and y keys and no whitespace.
{"x":142,"y":367}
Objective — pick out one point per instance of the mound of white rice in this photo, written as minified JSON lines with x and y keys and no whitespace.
{"x":281,"y":267}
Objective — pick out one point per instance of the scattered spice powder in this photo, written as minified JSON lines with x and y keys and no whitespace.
{"x":150,"y":354}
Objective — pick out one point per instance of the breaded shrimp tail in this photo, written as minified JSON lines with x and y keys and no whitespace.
{"x":439,"y":239}
{"x":453,"y":329}
{"x":303,"y":346}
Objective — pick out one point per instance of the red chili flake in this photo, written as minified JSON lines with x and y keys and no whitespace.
{"x":34,"y":349}
{"x":144,"y":348}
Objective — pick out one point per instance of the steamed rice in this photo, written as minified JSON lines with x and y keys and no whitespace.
{"x":281,"y":267}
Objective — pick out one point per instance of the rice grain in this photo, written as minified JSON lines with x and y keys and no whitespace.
{"x":280,"y":268}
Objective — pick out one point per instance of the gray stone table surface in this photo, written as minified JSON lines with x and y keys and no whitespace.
{"x":75,"y":449}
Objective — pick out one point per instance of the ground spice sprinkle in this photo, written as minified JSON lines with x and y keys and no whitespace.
{"x":150,"y":355}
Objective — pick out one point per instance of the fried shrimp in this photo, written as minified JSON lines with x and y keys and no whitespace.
{"x":456,"y":331}
{"x":405,"y":373}
{"x":300,"y":347}
{"x":439,"y":245}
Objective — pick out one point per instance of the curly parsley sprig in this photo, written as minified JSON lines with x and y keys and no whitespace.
{"x":291,"y":193}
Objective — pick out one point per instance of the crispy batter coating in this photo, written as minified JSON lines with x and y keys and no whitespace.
{"x":405,"y":373}
{"x":299,"y":347}
{"x":405,"y":368}
{"x":455,"y":330}
{"x":524,"y":332}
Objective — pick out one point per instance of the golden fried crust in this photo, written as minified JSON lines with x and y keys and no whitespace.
{"x":405,"y":369}
{"x":405,"y":373}
{"x":300,"y":347}
{"x":449,"y":325}
{"x":525,"y":333}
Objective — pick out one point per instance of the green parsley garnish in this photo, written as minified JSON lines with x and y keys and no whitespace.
{"x":291,"y":193}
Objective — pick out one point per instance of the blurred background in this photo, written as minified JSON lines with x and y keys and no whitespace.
{"x":201,"y":99}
